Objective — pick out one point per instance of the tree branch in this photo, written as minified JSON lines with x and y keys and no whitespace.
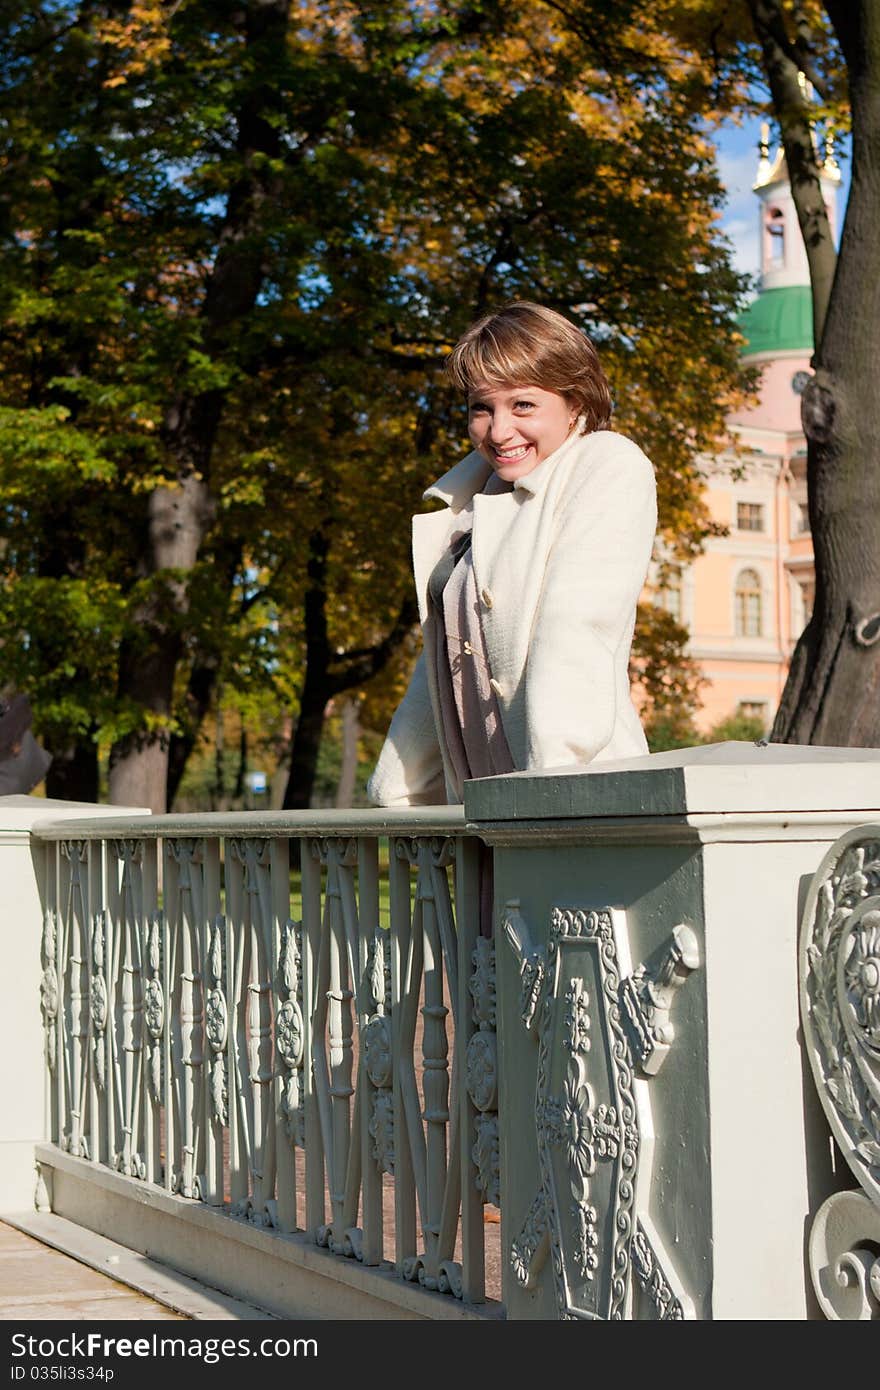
{"x":803,"y":53}
{"x":361,"y":665}
{"x":260,"y":595}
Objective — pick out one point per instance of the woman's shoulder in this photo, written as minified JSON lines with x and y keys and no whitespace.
{"x":611,"y":456}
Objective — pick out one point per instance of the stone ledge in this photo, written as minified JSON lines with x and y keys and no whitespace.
{"x":286,"y":1275}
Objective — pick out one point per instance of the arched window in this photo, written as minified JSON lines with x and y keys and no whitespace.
{"x":747,"y":607}
{"x":775,"y":225}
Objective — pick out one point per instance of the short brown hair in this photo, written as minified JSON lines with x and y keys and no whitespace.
{"x":525,"y":344}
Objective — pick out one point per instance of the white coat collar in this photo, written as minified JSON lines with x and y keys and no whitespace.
{"x":467,"y":478}
{"x":462,"y":482}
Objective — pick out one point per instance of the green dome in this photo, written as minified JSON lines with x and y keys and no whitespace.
{"x":779,"y":321}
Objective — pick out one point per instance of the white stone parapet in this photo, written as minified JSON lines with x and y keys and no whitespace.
{"x":663,"y":1149}
{"x":23,"y":1088}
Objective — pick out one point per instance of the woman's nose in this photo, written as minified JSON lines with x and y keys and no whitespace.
{"x":500,"y":428}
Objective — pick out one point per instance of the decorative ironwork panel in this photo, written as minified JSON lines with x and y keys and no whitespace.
{"x":585,"y":1114}
{"x":840,"y":1008}
{"x":252,"y":1114}
{"x":74,"y":1002}
{"x":184,"y":912}
{"x":198,"y":1036}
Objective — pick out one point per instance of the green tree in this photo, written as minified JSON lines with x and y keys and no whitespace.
{"x":236,"y":242}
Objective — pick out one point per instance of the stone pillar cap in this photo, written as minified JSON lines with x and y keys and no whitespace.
{"x":709,"y":778}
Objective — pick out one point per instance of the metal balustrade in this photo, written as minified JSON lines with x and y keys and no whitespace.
{"x":273,"y":1042}
{"x":229,"y":1019}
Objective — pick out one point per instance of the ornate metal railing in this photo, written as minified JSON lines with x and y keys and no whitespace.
{"x":288,"y":1017}
{"x":840,"y":1011}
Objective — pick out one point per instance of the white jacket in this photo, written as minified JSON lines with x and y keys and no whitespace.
{"x":559,"y":562}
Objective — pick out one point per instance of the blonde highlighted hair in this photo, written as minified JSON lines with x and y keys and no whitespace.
{"x":525,"y":344}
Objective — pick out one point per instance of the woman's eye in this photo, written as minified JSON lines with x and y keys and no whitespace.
{"x":477,"y":408}
{"x":525,"y":405}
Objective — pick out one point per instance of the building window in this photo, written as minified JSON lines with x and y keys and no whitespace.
{"x":775,"y":225}
{"x":669,"y":596}
{"x":752,"y":709}
{"x":755,"y":710}
{"x":749,"y":516}
{"x":803,"y":518}
{"x":748,"y":604}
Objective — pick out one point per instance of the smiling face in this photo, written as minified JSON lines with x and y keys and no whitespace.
{"x":516,"y":427}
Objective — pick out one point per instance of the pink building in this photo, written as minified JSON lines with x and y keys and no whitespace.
{"x":747,"y":598}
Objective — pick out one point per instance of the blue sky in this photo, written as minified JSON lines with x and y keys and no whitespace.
{"x":738,"y":164}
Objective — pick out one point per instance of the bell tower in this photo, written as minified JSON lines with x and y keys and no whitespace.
{"x":783,"y":255}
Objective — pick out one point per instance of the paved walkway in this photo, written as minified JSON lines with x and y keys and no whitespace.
{"x":51,"y":1268}
{"x":37,"y":1282}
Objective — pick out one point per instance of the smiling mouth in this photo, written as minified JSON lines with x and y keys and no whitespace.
{"x":511,"y":455}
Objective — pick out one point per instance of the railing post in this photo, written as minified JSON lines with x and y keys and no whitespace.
{"x":369,"y":937}
{"x":27,"y":872}
{"x":467,"y":896}
{"x":651,"y":1058}
{"x":311,"y":944}
{"x":401,"y":935}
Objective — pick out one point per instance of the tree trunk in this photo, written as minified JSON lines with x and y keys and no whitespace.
{"x":306,"y":745}
{"x":73,"y":775}
{"x":149,"y":657}
{"x":351,"y":728}
{"x":240,"y":788}
{"x":329,"y":673}
{"x":833,"y":692}
{"x":139,"y":777}
{"x":218,"y":797}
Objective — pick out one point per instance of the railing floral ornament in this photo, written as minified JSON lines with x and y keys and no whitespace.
{"x":290,"y":1031}
{"x":154,"y":1006}
{"x":377,"y":1045}
{"x":670,"y":1302}
{"x":49,"y":985}
{"x":601,"y":1036}
{"x":482,"y":1071}
{"x":98,"y":1000}
{"x":585,"y":1118}
{"x":840,"y":1009}
{"x":217,"y":1023}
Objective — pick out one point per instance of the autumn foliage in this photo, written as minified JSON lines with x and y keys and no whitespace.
{"x":236,"y":242}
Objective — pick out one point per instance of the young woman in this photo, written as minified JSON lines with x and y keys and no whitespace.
{"x":528,"y":580}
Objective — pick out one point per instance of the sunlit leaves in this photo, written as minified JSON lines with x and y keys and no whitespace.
{"x":378,"y":178}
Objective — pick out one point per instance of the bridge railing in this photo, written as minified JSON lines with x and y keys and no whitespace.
{"x":297,"y":1058}
{"x":287,"y":1018}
